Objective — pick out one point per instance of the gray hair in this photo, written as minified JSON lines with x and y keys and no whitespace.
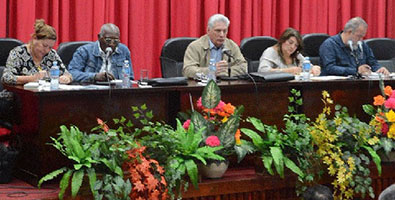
{"x":354,"y":23}
{"x":388,"y":193}
{"x":108,"y":28}
{"x":217,"y":18}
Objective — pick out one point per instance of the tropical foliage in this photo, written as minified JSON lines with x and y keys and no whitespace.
{"x":219,"y":122}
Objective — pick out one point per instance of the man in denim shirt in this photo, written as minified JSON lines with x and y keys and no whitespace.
{"x":346,"y":53}
{"x":97,"y":62}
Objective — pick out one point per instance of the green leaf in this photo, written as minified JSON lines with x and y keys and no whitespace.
{"x":192,"y":172}
{"x":375,"y":157}
{"x":51,"y":176}
{"x":267,"y":162}
{"x":256,"y":139}
{"x":257,"y":124}
{"x":226,"y":133}
{"x":244,"y":148}
{"x":135,"y":108}
{"x":76,"y":182}
{"x":369,"y":109}
{"x":92,"y":180}
{"x":143,"y":107}
{"x":64,"y":183}
{"x":278,"y":159}
{"x":211,"y":95}
{"x":292,"y":166}
{"x":149,"y":115}
{"x":199,"y":122}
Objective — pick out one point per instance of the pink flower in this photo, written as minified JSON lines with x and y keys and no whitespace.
{"x":199,"y":103}
{"x":4,"y":131}
{"x":186,"y":124}
{"x":212,"y":141}
{"x":390,"y":103}
{"x":220,"y":106}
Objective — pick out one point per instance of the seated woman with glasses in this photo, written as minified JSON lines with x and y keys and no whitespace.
{"x":101,"y":60}
{"x":32,"y":61}
{"x":285,"y":55}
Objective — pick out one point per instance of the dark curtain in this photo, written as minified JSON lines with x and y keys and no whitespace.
{"x":146,"y":24}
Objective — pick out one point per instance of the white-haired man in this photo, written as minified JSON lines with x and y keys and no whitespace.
{"x":211,"y":46}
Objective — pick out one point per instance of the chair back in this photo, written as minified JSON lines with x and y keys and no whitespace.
{"x":252,"y":49}
{"x":384,"y":51}
{"x":6,"y":45}
{"x":312,"y":43}
{"x":172,"y":56}
{"x":67,"y":49}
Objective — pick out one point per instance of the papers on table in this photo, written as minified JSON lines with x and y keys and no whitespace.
{"x":328,"y":78}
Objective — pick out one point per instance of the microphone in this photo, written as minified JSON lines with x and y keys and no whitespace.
{"x":351,"y":45}
{"x":228,"y":52}
{"x":360,"y":46}
{"x":106,"y":69}
{"x":108,"y":52}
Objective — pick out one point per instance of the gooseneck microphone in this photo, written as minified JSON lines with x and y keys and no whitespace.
{"x":351,"y":45}
{"x":360,"y":47}
{"x":229,"y":54}
{"x":108,"y":53}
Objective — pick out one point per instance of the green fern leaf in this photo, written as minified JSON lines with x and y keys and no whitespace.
{"x":64,"y":183}
{"x":76,"y":182}
{"x":51,"y":176}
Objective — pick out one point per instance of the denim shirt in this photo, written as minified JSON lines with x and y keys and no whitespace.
{"x":87,"y":62}
{"x":337,"y":59}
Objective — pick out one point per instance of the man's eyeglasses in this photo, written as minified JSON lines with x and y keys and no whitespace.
{"x":109,"y":40}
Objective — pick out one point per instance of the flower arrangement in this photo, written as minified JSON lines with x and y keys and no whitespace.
{"x":220,"y":123}
{"x":345,"y":144}
{"x":383,"y":118}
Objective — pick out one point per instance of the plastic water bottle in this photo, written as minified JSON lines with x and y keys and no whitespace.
{"x":126,"y":74}
{"x":306,"y":69}
{"x":54,"y":75}
{"x":212,"y":70}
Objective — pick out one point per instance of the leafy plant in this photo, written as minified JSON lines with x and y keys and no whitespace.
{"x":112,"y":187}
{"x":80,"y":148}
{"x":298,"y":144}
{"x":219,"y":121}
{"x":270,"y":146}
{"x":177,"y":150}
{"x":345,"y":143}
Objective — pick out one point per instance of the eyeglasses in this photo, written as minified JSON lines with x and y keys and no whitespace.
{"x":109,"y":40}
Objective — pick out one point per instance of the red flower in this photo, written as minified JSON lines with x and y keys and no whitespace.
{"x":186,"y":124}
{"x":384,"y":129}
{"x":212,"y":141}
{"x":4,"y":131}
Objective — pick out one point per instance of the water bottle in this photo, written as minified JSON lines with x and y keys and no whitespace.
{"x":54,"y":75}
{"x":306,"y":69}
{"x":126,"y":74}
{"x":212,"y":70}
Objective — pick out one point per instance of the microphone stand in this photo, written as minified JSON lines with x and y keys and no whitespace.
{"x":229,"y":77}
